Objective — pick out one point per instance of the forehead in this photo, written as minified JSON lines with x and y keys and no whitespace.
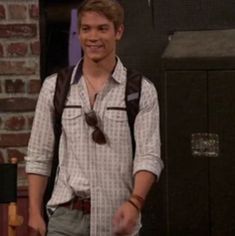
{"x":94,"y":18}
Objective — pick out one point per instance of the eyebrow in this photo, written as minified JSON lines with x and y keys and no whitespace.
{"x":101,"y":25}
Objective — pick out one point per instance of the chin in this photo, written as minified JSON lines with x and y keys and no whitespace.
{"x":96,"y":58}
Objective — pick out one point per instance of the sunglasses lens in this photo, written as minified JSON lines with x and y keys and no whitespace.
{"x":91,"y":119}
{"x":98,"y":136}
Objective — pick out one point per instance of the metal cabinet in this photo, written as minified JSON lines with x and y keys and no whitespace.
{"x":198,"y":129}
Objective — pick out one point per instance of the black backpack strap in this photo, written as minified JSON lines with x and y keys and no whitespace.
{"x":61,"y":90}
{"x":132,"y":97}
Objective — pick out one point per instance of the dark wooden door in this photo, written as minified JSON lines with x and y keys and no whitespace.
{"x":200,"y":190}
{"x":221,"y":90}
{"x":186,"y":113}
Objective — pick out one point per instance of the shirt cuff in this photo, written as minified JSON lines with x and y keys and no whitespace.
{"x":38,"y":168}
{"x":151,"y":164}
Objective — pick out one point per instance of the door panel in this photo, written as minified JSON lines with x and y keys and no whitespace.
{"x":187,"y":176}
{"x":222,"y":169}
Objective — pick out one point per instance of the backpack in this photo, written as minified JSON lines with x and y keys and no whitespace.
{"x":132,"y":98}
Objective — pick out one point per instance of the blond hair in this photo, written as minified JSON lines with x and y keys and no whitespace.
{"x":111,"y":9}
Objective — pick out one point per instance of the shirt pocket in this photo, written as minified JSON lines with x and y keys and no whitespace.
{"x":72,"y":120}
{"x":116,"y":114}
{"x":116,"y":125}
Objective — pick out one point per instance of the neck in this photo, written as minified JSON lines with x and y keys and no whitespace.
{"x":98,"y":69}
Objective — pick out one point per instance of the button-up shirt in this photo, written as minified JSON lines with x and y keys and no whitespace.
{"x":106,"y":172}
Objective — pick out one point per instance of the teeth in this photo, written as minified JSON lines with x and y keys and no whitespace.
{"x":94,"y":46}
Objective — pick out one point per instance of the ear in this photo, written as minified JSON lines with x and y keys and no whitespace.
{"x":119,"y":32}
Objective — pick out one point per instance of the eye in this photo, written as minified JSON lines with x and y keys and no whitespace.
{"x":103,"y":29}
{"x":84,"y":29}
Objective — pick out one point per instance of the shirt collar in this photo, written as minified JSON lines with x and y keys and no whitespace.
{"x":119,"y":72}
{"x":77,"y":72}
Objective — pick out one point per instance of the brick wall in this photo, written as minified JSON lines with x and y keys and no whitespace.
{"x":19,"y":77}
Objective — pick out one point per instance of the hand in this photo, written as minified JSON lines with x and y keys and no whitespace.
{"x":36,"y":225}
{"x":125,"y":219}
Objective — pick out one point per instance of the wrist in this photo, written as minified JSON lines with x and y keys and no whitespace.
{"x":134,"y":205}
{"x":35,"y":210}
{"x":138,"y":200}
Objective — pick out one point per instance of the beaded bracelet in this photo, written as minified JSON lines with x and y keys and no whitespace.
{"x":134,"y":205}
{"x":138,"y":198}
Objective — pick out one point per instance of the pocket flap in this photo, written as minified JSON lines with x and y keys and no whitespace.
{"x":71,"y":113}
{"x":118,"y":114}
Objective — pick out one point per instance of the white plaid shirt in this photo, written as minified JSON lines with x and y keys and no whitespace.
{"x":102,"y":172}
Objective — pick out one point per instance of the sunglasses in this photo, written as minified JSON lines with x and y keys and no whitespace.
{"x":92,"y":120}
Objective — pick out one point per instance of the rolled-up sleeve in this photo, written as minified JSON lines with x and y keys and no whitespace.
{"x":40,"y":147}
{"x":147,"y":132}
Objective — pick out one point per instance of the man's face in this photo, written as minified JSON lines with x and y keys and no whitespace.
{"x":98,"y":37}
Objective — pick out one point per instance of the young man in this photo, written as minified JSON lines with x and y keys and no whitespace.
{"x":99,"y":189}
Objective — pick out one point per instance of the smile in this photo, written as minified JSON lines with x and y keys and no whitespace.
{"x":94,"y":46}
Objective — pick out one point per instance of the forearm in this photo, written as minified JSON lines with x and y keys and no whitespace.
{"x":142,"y":185}
{"x":37,"y":186}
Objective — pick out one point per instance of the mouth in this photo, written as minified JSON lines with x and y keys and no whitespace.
{"x":94,"y":47}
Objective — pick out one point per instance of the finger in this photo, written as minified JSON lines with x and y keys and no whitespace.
{"x":33,"y":232}
{"x":117,"y":217}
{"x":42,"y":232}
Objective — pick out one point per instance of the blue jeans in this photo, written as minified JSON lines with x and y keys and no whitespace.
{"x":67,"y":222}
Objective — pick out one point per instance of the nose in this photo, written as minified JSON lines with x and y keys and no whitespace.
{"x":93,"y":36}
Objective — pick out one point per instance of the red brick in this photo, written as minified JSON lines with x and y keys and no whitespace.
{"x":15,"y":123}
{"x":15,"y":153}
{"x":34,"y":11}
{"x":1,"y":50}
{"x":17,"y":68}
{"x":30,"y":122}
{"x":2,"y":12}
{"x":35,"y":48}
{"x":17,"y":11}
{"x":17,"y":49}
{"x":17,"y":104}
{"x":34,"y":86}
{"x":14,"y":86}
{"x":14,"y":140}
{"x":18,"y":30}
